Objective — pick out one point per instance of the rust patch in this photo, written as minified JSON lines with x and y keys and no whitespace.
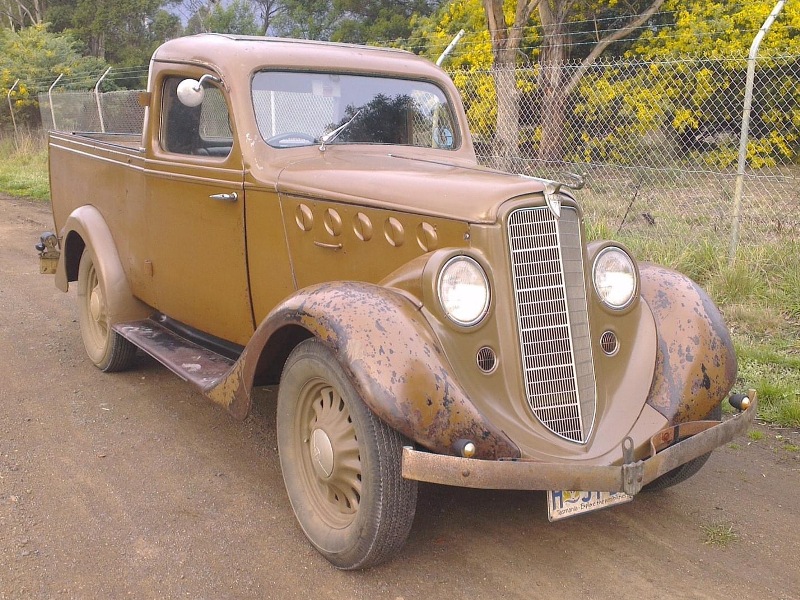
{"x":695,"y":359}
{"x":230,"y":391}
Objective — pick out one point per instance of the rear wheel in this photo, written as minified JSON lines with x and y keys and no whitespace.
{"x":108,"y":350}
{"x":686,"y":470}
{"x":341,"y":464}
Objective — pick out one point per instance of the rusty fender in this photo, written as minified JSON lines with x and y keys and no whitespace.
{"x":695,"y":359}
{"x":87,"y":223}
{"x":391,"y":356}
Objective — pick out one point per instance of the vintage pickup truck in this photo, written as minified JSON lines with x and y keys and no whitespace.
{"x":312,"y":215}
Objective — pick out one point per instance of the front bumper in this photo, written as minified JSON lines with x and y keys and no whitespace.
{"x":666,"y":454}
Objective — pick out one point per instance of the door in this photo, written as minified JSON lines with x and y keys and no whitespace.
{"x":195,"y":210}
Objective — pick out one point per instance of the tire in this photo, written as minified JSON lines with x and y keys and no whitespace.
{"x":108,"y":350}
{"x":686,"y":470}
{"x":340,"y":463}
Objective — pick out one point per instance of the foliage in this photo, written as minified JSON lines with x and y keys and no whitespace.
{"x":36,"y":57}
{"x":21,"y":13}
{"x":363,"y":21}
{"x":123,"y":32}
{"x":306,"y":19}
{"x":471,"y":61}
{"x":680,"y":77}
{"x":236,"y":18}
{"x":353,"y":21}
{"x":693,"y":84}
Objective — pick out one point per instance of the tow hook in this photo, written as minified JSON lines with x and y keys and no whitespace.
{"x":48,"y":253}
{"x":632,"y":470}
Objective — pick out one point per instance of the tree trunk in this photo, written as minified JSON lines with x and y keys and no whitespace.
{"x":557,"y":79}
{"x":552,"y":78}
{"x":505,"y":44}
{"x":506,"y":138}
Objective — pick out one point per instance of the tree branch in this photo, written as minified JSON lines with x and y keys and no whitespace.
{"x":522,"y":15}
{"x":604,"y":43}
{"x":496,"y":21}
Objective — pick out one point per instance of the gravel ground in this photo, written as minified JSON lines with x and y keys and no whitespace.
{"x":133,"y":485}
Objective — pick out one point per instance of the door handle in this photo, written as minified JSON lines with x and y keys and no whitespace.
{"x":232,"y":197}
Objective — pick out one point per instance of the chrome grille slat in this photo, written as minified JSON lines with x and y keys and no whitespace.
{"x":552,"y":317}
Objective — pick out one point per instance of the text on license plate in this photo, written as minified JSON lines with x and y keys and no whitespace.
{"x":563,"y":504}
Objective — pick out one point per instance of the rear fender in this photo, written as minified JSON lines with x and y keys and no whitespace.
{"x":695,"y":359}
{"x":390,"y":355}
{"x":86,"y":228}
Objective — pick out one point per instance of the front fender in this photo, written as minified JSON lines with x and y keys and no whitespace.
{"x":392,"y":358}
{"x":86,"y":228}
{"x":695,"y":359}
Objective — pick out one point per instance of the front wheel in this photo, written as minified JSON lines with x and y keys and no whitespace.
{"x":108,"y":350}
{"x":341,"y":464}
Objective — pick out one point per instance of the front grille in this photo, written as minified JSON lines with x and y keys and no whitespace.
{"x":552,"y":317}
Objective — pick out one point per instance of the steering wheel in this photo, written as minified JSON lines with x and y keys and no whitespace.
{"x":282,"y":138}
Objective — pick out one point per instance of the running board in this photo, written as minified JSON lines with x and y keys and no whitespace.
{"x":188,"y":360}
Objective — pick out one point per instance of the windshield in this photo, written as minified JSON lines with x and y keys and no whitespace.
{"x":298,"y":109}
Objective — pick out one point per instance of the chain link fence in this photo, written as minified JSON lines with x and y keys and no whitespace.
{"x":108,"y":112}
{"x":656,"y":142}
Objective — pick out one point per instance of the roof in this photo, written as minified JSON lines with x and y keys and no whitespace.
{"x":230,"y":53}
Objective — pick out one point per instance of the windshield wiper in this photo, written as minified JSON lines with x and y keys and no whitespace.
{"x":332,"y":135}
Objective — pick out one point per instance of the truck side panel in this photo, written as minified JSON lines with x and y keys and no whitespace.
{"x":110,"y":177}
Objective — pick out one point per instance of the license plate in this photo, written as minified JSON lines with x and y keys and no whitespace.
{"x":564,"y":504}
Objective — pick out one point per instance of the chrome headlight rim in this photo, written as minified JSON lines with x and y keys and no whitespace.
{"x":632,"y":295}
{"x":481,"y":314}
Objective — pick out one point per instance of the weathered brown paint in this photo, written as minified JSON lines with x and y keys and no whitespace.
{"x":88,"y":229}
{"x":393,"y":359}
{"x":695,"y":360}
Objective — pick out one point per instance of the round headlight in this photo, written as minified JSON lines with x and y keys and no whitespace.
{"x":614,"y":277}
{"x":464,"y":291}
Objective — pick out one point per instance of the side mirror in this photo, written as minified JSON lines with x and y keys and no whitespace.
{"x":191,"y":92}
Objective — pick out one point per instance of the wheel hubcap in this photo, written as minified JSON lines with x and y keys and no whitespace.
{"x":95,"y":305}
{"x":322,"y":453}
{"x":94,"y":313}
{"x":331,"y":457}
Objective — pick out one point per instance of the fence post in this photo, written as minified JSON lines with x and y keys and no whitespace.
{"x":97,"y":99}
{"x":11,"y":108}
{"x":745,"y":132}
{"x":449,"y":48}
{"x":50,"y":100}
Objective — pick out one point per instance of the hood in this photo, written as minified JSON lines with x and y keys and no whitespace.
{"x":457,"y":190}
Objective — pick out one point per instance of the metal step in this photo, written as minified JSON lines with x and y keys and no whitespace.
{"x":188,"y":360}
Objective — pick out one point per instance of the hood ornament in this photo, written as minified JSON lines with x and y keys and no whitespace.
{"x":552,"y":189}
{"x":553,"y":199}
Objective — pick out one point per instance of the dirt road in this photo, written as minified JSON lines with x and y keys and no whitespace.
{"x":132,"y":485}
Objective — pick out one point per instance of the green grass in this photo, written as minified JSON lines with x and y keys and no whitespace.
{"x":720,"y":534}
{"x":759,"y":296}
{"x":23,"y":170}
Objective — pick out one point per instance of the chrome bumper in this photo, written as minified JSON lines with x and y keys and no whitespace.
{"x":629,"y":477}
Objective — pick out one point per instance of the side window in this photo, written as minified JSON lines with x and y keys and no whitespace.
{"x":202,"y":130}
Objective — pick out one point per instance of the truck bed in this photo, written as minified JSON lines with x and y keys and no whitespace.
{"x":126,"y":140}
